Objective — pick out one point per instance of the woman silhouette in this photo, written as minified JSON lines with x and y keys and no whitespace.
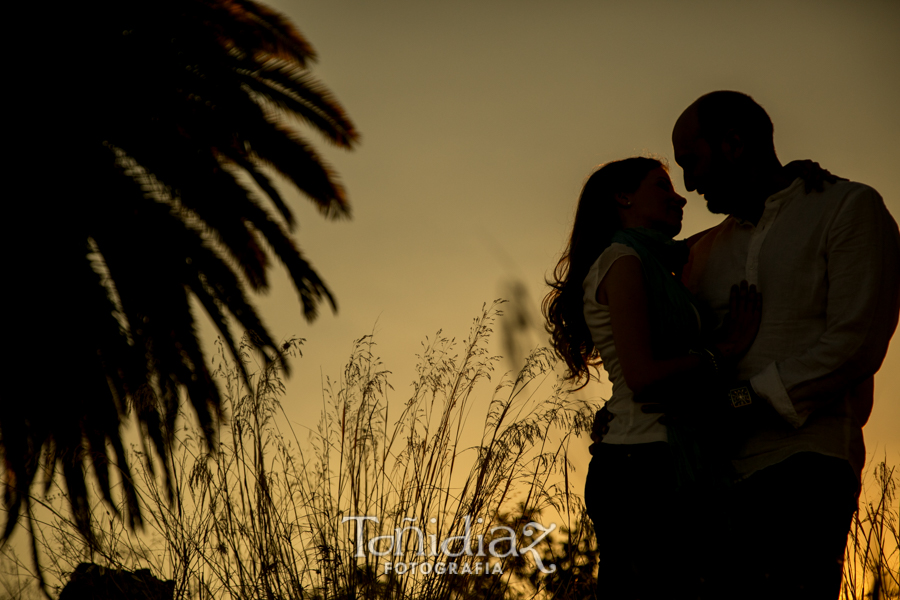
{"x":617,"y":299}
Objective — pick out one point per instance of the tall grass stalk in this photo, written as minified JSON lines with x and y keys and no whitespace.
{"x":872,"y":558}
{"x":423,"y":467}
{"x":266,"y":515}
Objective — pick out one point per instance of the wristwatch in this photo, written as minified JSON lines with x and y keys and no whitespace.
{"x":741,"y":394}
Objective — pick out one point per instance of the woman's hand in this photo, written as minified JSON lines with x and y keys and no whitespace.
{"x":742,"y":322}
{"x":601,"y":425}
{"x":814,"y":176}
{"x":736,"y":336}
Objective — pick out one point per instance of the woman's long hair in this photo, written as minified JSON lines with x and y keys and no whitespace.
{"x":596,"y":220}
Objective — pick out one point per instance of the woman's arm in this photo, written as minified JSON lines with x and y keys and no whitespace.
{"x":623,"y":289}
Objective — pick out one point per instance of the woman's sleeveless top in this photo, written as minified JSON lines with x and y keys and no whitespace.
{"x":629,"y":425}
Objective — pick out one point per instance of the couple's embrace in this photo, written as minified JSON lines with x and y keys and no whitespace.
{"x":741,"y":361}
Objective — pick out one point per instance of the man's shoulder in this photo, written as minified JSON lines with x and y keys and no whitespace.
{"x":842,"y":197}
{"x":844,"y":189}
{"x":848,"y":208}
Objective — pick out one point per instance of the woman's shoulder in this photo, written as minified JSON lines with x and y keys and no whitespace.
{"x":614,"y":252}
{"x":601,"y":266}
{"x":617,"y":250}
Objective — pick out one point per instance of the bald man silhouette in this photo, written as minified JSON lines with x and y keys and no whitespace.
{"x":827,"y":264}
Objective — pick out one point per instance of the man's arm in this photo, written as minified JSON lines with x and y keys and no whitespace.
{"x":863,"y":279}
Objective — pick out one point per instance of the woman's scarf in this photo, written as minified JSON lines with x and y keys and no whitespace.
{"x":673,"y":320}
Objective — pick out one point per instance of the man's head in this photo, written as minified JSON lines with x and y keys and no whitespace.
{"x":722,"y":142}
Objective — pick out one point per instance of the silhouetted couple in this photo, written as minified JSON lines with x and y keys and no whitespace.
{"x":741,"y":361}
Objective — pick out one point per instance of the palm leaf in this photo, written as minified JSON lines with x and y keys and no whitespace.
{"x":166,"y":105}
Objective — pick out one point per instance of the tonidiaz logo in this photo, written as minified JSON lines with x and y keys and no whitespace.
{"x":498,"y":547}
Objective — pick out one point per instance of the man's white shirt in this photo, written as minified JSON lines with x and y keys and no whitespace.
{"x":828,"y":267}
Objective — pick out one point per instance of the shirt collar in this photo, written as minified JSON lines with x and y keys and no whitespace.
{"x":776,"y":199}
{"x":781,"y":195}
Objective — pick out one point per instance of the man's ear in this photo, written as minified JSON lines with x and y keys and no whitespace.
{"x":732,"y":145}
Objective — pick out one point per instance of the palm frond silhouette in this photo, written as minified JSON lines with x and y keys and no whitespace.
{"x":171,"y":120}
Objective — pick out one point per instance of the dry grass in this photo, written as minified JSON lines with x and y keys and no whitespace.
{"x":264,"y":516}
{"x":872,"y":559}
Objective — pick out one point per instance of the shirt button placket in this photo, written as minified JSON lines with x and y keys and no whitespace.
{"x":756,"y":241}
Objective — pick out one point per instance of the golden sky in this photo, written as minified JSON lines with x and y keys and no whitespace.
{"x":481,"y":120}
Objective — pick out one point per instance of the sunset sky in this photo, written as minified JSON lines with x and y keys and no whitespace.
{"x":481,"y":120}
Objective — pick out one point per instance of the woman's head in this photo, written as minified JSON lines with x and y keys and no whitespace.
{"x":654,"y":204}
{"x":634,"y":192}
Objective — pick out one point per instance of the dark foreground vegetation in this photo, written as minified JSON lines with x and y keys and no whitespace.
{"x":262,"y":517}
